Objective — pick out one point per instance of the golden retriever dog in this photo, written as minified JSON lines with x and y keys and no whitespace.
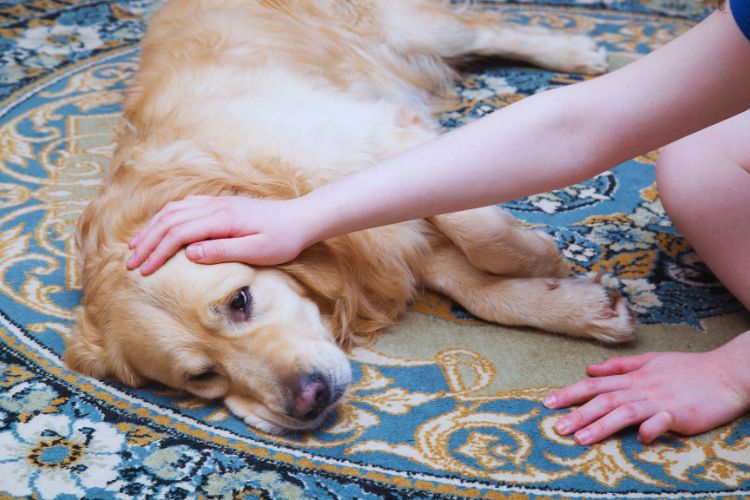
{"x":271,"y":98}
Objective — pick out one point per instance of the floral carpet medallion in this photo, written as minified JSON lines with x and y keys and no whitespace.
{"x":442,"y":405}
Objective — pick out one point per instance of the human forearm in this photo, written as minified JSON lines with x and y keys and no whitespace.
{"x":479,"y":164}
{"x":552,"y":139}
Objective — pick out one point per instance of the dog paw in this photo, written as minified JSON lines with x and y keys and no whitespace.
{"x":584,"y":56}
{"x":587,"y":309}
{"x":614,"y":322}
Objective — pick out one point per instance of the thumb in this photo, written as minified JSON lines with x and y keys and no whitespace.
{"x":655,"y":426}
{"x":251,"y":249}
{"x":224,"y":250}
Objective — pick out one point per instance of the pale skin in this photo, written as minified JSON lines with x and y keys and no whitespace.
{"x":697,"y":83}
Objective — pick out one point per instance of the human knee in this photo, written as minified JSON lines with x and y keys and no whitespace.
{"x":691,"y":171}
{"x":677,"y":170}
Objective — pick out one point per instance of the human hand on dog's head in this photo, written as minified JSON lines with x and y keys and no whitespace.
{"x":222,"y":229}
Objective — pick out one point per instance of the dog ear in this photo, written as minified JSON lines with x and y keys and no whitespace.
{"x":358,"y":292}
{"x":324,"y":279}
{"x":86,"y":353}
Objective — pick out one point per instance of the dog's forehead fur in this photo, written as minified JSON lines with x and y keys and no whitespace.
{"x":201,"y":293}
{"x":194,"y":285}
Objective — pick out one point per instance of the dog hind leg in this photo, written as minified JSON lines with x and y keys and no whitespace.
{"x":494,"y":242}
{"x":455,"y":34}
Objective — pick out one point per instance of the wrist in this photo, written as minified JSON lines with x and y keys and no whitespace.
{"x":313,"y":211}
{"x":734,"y":358}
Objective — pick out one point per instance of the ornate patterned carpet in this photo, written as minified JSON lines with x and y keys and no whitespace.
{"x":443,"y":404}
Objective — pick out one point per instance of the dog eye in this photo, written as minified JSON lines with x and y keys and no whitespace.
{"x":203,"y":377}
{"x":241,"y":305}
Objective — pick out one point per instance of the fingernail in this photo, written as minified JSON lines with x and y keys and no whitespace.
{"x":145,"y":267}
{"x":562,"y":427}
{"x":550,"y":401}
{"x":131,"y":260}
{"x":194,"y":252}
{"x":583,"y":436}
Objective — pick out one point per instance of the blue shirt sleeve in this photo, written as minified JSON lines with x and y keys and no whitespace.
{"x":741,"y":12}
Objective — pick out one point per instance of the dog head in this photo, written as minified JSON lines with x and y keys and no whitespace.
{"x":252,"y":337}
{"x":248,"y":336}
{"x":268,"y":341}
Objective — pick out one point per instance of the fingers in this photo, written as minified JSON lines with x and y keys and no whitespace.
{"x":655,"y":426}
{"x":252,"y":249}
{"x":619,"y":365}
{"x":224,"y":250}
{"x":179,"y":235}
{"x":598,"y":407}
{"x":621,"y":417}
{"x":609,"y":413}
{"x":613,"y":404}
{"x":584,"y":390}
{"x":151,"y":237}
{"x":168,"y":209}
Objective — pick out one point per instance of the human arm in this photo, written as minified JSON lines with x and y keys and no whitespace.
{"x":687,"y":393}
{"x":541,"y":143}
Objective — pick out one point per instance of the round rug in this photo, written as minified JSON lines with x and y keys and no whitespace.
{"x":442,"y":404}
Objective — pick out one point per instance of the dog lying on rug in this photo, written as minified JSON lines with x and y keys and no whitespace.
{"x":271,"y":98}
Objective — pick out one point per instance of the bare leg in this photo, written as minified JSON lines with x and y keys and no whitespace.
{"x":704,"y":184}
{"x":433,"y":27}
{"x":493,"y":241}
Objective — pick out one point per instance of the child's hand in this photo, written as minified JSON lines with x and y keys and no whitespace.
{"x":684,"y":392}
{"x":222,"y":229}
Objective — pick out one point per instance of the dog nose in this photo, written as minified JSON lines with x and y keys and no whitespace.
{"x":312,"y":397}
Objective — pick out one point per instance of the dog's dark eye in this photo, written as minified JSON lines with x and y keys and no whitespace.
{"x":241,"y":305}
{"x":203,"y":377}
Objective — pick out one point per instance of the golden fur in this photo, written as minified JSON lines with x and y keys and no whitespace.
{"x":271,"y":98}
